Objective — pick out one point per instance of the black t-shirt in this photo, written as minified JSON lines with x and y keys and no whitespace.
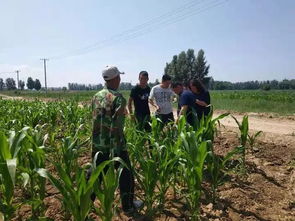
{"x":140,"y":97}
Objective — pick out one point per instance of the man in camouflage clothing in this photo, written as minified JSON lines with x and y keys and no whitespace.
{"x":108,"y":111}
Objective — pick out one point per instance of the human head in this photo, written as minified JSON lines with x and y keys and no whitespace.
{"x":197,"y":86}
{"x":166,"y":80}
{"x":177,"y":87}
{"x":111,"y":75}
{"x":143,"y":78}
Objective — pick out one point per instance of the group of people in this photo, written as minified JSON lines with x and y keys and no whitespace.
{"x":109,"y":111}
{"x":193,"y":100}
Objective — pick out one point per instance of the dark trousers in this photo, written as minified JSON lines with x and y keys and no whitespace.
{"x":166,"y":118}
{"x":126,"y":181}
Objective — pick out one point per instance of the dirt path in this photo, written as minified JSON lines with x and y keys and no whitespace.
{"x":5,"y":97}
{"x":280,"y":126}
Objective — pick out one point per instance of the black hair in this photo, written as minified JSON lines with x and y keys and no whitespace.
{"x":198,"y":84}
{"x":166,"y":77}
{"x":144,"y":73}
{"x":176,"y":84}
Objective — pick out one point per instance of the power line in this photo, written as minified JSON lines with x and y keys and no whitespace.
{"x":138,"y":34}
{"x":7,"y":72}
{"x":176,"y":15}
{"x":135,"y":28}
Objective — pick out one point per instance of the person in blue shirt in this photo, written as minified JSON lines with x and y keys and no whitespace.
{"x":202,"y":98}
{"x":194,"y":102}
{"x":187,"y":103}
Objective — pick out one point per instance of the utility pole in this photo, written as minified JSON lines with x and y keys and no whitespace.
{"x":17,"y":77}
{"x":44,"y":60}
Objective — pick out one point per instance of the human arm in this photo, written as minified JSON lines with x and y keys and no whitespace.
{"x":182,"y":111}
{"x":151,"y":101}
{"x":201,"y":103}
{"x":130,"y":101}
{"x":205,"y":101}
{"x":174,"y":96}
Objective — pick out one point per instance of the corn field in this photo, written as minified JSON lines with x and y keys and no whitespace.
{"x":42,"y":144}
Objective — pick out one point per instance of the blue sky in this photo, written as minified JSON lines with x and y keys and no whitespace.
{"x":242,"y":39}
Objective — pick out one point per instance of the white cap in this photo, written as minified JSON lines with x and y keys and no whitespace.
{"x":110,"y":72}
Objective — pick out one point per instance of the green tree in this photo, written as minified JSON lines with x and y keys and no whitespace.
{"x":186,"y":66}
{"x":21,"y":84}
{"x":191,"y":63}
{"x":202,"y":69}
{"x":37,"y":85}
{"x":30,"y":83}
{"x":10,"y":84}
{"x":171,"y":68}
{"x":2,"y":84}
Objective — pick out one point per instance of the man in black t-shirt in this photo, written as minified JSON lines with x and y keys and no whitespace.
{"x":139,"y":96}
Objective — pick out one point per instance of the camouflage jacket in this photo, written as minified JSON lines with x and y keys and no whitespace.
{"x":108,"y":114}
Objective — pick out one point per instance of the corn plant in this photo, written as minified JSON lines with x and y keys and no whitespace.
{"x":218,"y":169}
{"x":69,"y":151}
{"x":244,"y":130}
{"x":146,"y":174}
{"x":32,"y":158}
{"x":252,"y":138}
{"x":192,"y":163}
{"x":207,"y":126}
{"x":155,"y":156}
{"x":105,"y":190}
{"x":9,"y":149}
{"x":76,"y":191}
{"x":169,"y":156}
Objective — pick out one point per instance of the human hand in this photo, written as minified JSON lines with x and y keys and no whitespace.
{"x":201,"y":103}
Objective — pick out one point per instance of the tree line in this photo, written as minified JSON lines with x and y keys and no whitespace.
{"x":253,"y":85}
{"x":10,"y":84}
{"x":186,"y":66}
{"x":88,"y":87}
{"x":182,"y":68}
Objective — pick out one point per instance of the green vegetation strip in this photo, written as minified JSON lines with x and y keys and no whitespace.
{"x":275,"y":101}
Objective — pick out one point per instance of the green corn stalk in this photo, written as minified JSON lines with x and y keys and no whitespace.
{"x":155,"y":157}
{"x":70,"y":151}
{"x":9,"y":149}
{"x":168,"y":152}
{"x":194,"y":155}
{"x":76,"y":192}
{"x":182,"y":127}
{"x":167,"y":166}
{"x":146,"y":174}
{"x":105,"y":191}
{"x":217,"y":168}
{"x":207,"y":125}
{"x":252,"y":138}
{"x":32,"y":159}
{"x":244,"y":130}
